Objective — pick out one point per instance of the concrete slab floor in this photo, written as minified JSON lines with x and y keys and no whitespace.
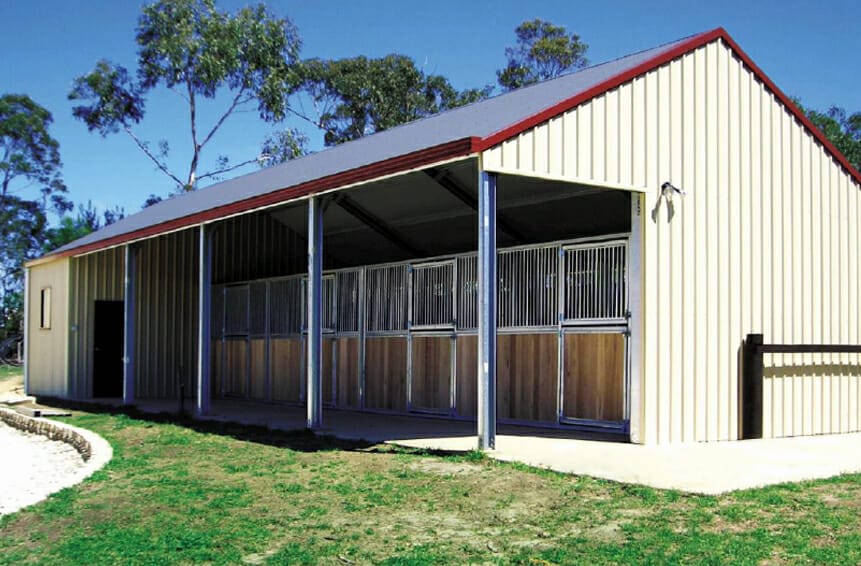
{"x":705,"y":468}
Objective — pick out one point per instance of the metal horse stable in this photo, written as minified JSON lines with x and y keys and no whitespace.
{"x":588,"y":252}
{"x":570,"y":295}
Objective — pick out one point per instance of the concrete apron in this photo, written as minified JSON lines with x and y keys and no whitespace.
{"x":705,"y":468}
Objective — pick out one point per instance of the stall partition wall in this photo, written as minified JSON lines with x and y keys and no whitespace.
{"x":402,"y":337}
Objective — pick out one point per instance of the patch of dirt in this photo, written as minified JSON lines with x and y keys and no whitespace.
{"x":444,"y":468}
{"x":12,"y":385}
{"x":429,"y":527}
{"x":260,"y":557}
{"x":841,"y":498}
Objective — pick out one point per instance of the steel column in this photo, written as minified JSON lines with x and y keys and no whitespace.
{"x":487,"y":283}
{"x":129,"y":296}
{"x":635,"y":321}
{"x":204,"y":389}
{"x":315,"y":313}
{"x":267,"y":344}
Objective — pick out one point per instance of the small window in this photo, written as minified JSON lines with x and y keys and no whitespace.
{"x":45,"y":311}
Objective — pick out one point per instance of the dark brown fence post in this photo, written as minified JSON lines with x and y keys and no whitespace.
{"x":751,"y":425}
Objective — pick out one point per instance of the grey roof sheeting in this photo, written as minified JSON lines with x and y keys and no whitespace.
{"x":480,"y":119}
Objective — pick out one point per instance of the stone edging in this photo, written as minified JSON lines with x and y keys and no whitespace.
{"x":95,"y":450}
{"x":50,"y":429}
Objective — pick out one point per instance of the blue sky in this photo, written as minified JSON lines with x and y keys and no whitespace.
{"x":808,"y":48}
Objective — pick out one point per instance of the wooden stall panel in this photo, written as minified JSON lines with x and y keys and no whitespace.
{"x":466,"y":394}
{"x":286,"y":368}
{"x":594,"y":377}
{"x":326,"y":367}
{"x":235,"y":370}
{"x":347,"y":364}
{"x":431,"y":378}
{"x":526,"y":377}
{"x":386,"y":373}
{"x":257,"y":350}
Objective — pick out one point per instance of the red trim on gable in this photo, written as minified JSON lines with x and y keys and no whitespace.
{"x":428,"y":156}
{"x":601,"y":88}
{"x":795,"y":110}
{"x":694,"y":42}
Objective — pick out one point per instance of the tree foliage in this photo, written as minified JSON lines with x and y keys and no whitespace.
{"x":842,"y":129}
{"x":359,"y":96}
{"x":31,"y":186}
{"x":200,"y":52}
{"x":88,"y":220}
{"x":543,"y":51}
{"x":28,"y":152}
{"x":282,"y":146}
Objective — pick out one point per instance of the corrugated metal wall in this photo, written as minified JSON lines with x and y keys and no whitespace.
{"x":255,"y":246}
{"x":94,"y":277}
{"x":766,"y":240}
{"x":166,"y":293}
{"x":252,"y":246}
{"x":807,"y":394}
{"x":48,"y":349}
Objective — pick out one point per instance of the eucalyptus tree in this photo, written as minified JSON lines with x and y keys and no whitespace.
{"x":842,"y":129}
{"x":543,"y":51}
{"x":237,"y":61}
{"x":31,"y":186}
{"x":358,"y":96}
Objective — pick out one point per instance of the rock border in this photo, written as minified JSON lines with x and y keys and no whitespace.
{"x":95,"y":451}
{"x":51,"y":429}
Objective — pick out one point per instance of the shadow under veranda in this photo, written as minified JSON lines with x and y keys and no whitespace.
{"x":297,"y":440}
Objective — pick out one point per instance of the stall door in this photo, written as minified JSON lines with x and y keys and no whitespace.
{"x":594,"y":357}
{"x":431,"y":357}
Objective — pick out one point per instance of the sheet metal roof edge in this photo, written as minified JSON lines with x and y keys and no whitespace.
{"x":427,"y":156}
{"x":464,"y":147}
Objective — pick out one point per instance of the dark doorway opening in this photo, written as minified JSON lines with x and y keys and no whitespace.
{"x":108,"y":333}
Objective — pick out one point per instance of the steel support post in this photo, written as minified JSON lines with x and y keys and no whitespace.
{"x":129,"y":307}
{"x":634,"y":285}
{"x":204,"y":389}
{"x":487,"y":282}
{"x":315,"y":313}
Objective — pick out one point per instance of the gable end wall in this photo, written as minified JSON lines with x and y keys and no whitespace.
{"x":765,"y":241}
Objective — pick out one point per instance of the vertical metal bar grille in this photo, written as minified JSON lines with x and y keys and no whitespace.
{"x":386,"y":293}
{"x":595,"y":283}
{"x":527,"y":287}
{"x":236,"y":310}
{"x":433,"y":295}
{"x":257,"y":308}
{"x":286,"y":306}
{"x":328,"y":298}
{"x":347,"y":288}
{"x":467,"y":292}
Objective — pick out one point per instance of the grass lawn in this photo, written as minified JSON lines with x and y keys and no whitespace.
{"x":220,"y":494}
{"x":10,"y":372}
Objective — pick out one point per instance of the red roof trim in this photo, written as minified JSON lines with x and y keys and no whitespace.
{"x":795,"y":110}
{"x":694,"y":42}
{"x":427,"y":156}
{"x":600,"y":88}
